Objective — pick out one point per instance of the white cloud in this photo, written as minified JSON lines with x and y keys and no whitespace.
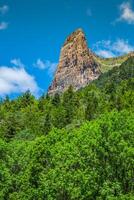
{"x":40,"y":64}
{"x":122,"y":46}
{"x":105,"y":53}
{"x":46,"y":65}
{"x":17,"y":62}
{"x":4,"y":9}
{"x":126,"y":13}
{"x":16,"y":80}
{"x":3,"y":25}
{"x":111,"y":49}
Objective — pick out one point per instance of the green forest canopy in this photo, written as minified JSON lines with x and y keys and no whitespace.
{"x":78,"y":145}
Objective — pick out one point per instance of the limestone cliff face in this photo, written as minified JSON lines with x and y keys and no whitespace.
{"x":76,"y":67}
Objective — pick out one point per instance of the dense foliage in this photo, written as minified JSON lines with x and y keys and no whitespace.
{"x":78,"y":145}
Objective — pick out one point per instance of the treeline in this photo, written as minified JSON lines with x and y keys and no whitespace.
{"x":78,"y":145}
{"x":29,"y":117}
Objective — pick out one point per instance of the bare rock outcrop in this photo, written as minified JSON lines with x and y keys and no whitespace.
{"x":76,"y":67}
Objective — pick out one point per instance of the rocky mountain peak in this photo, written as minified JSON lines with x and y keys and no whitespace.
{"x":77,"y":66}
{"x":71,"y":38}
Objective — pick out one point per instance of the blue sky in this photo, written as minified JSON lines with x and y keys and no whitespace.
{"x":33,"y":31}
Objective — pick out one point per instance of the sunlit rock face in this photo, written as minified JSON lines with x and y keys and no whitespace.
{"x":76,"y":67}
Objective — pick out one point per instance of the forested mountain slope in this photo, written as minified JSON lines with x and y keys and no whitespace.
{"x":79,"y":145}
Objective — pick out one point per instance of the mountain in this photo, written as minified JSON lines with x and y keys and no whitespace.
{"x":77,"y":145}
{"x":117,"y":74}
{"x":78,"y":65}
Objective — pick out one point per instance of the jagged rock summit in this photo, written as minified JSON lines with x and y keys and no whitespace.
{"x":77,"y":66}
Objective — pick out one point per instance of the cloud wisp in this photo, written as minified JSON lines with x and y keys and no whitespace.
{"x":47,"y":65}
{"x":107,"y":48}
{"x":89,"y":12}
{"x":16,"y":80}
{"x":17,"y":62}
{"x":3,"y":25}
{"x":126,"y":13}
{"x":4,"y":9}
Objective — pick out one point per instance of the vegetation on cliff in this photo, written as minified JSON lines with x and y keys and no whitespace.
{"x":78,"y":145}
